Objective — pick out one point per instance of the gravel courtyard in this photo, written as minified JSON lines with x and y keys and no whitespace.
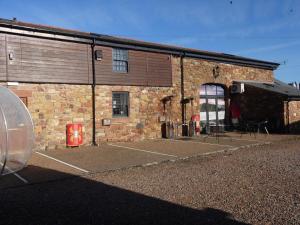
{"x":259,"y":185}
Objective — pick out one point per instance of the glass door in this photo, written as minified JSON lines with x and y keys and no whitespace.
{"x":212,"y":106}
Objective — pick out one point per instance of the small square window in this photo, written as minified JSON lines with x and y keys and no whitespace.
{"x":120,"y":60}
{"x":120,"y":104}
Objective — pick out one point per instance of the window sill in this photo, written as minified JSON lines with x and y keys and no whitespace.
{"x":116,"y":120}
{"x":120,"y":72}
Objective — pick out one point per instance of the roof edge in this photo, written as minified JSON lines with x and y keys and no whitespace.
{"x":112,"y":41}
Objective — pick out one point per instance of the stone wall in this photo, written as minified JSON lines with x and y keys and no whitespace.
{"x":294,"y":116}
{"x":198,"y":72}
{"x":52,"y":106}
{"x":261,"y":105}
{"x":145,"y":102}
{"x":146,"y":110}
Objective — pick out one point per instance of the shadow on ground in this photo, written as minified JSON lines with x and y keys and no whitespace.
{"x":78,"y":200}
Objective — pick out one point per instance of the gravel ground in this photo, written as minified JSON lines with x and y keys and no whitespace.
{"x":259,"y":185}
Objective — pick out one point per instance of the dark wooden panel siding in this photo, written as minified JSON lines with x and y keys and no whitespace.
{"x":40,"y":60}
{"x":159,"y":69}
{"x":2,"y":58}
{"x":90,"y":64}
{"x":147,"y":69}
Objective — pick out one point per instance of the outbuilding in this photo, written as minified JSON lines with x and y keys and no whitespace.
{"x":123,"y":90}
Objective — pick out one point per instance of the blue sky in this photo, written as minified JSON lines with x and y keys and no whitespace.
{"x":262,"y":29}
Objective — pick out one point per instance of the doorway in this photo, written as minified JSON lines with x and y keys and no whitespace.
{"x":212,"y":106}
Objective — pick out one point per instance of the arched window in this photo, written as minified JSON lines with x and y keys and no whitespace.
{"x":212,"y":105}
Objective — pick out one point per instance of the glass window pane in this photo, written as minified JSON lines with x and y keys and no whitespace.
{"x":120,"y":54}
{"x":212,"y":111}
{"x":221,"y":104}
{"x":203,"y":109}
{"x":120,"y":66}
{"x":211,"y":89}
{"x":120,"y":60}
{"x":203,"y":105}
{"x":211,"y":105}
{"x":220,"y":91}
{"x":120,"y":104}
{"x":202,"y":90}
{"x":221,"y":110}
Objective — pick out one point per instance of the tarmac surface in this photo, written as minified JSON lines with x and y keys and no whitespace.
{"x":253,"y":181}
{"x":114,"y":156}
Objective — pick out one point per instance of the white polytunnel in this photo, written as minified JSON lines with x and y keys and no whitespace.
{"x":16,"y":133}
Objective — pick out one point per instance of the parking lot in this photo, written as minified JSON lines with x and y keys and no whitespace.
{"x":62,"y":163}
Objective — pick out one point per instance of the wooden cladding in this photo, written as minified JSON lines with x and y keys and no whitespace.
{"x":52,"y":61}
{"x":2,"y":57}
{"x":40,"y":60}
{"x":144,"y":68}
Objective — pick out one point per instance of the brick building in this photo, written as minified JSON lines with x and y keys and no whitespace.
{"x":66,"y":76}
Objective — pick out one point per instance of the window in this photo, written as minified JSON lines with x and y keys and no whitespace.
{"x":120,"y":104}
{"x":212,"y":105}
{"x":120,"y":60}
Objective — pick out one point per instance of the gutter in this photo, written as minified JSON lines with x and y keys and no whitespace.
{"x":293,"y":98}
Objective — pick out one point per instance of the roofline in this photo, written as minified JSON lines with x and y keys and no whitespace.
{"x":34,"y":30}
{"x":293,"y":98}
{"x":277,"y":86}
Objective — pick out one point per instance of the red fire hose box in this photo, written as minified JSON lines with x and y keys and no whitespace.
{"x":196,"y":118}
{"x":74,"y":134}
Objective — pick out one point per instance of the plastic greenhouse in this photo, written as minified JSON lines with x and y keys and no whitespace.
{"x":16,"y":133}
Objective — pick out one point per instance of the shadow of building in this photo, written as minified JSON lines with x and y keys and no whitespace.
{"x":78,"y":200}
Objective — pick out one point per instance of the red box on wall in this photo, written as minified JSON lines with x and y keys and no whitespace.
{"x":74,"y":134}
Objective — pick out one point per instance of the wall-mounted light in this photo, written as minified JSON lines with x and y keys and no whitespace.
{"x":9,"y":83}
{"x":216,"y":71}
{"x":98,"y":55}
{"x":106,"y":122}
{"x":11,"y":56}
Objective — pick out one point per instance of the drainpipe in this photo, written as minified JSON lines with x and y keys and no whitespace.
{"x":288,"y":114}
{"x":93,"y":94}
{"x":182,"y":87}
